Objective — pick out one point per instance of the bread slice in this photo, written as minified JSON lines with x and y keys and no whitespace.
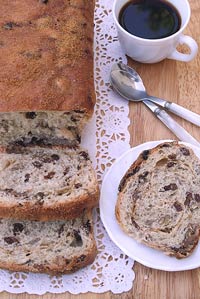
{"x":47,"y":247}
{"x":159,"y":199}
{"x":46,"y":183}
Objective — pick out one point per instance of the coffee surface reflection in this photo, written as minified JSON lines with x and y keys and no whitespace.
{"x":150,"y":19}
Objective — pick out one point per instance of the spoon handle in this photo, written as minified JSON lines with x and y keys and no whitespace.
{"x":179,"y":131}
{"x":178,"y":110}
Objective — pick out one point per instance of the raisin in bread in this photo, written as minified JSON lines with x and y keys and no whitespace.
{"x":159,"y":199}
{"x":46,"y":183}
{"x":47,"y":247}
{"x":46,"y":67}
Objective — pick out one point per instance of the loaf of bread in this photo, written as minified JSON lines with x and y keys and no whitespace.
{"x":47,"y":247}
{"x":46,"y":183}
{"x":47,"y":95}
{"x":46,"y":67}
{"x":159,"y":199}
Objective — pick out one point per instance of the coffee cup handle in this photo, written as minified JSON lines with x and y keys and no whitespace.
{"x":191,"y":43}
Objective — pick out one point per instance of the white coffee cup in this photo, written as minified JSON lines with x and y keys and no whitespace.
{"x":155,"y":50}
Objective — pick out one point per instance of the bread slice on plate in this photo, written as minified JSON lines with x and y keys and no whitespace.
{"x":46,"y":183}
{"x":54,"y":247}
{"x":159,"y":199}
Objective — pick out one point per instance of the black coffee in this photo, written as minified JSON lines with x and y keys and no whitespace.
{"x":150,"y":19}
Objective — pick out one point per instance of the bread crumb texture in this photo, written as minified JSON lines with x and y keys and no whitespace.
{"x":42,"y":127}
{"x":51,"y":247}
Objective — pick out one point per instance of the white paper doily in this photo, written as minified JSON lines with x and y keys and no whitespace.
{"x":112,"y":269}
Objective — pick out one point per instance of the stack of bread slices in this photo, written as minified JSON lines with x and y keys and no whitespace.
{"x":48,"y":186}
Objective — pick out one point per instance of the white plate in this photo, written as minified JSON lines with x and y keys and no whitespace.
{"x":139,"y":252}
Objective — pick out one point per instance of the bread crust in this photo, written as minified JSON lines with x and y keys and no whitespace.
{"x":46,"y":56}
{"x":190,"y":241}
{"x":60,"y":211}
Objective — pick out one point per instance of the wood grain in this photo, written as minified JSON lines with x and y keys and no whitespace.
{"x":178,"y":82}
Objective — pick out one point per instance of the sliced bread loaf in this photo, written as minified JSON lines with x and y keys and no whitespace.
{"x":159,"y":199}
{"x":46,"y":183}
{"x":47,"y":247}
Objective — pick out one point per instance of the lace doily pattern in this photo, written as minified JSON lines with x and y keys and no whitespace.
{"x":112,"y":269}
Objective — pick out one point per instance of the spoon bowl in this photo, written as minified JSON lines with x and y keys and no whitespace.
{"x":127,"y":87}
{"x":127,"y":82}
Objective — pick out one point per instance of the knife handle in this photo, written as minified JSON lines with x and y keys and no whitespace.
{"x":178,"y":110}
{"x":171,"y":124}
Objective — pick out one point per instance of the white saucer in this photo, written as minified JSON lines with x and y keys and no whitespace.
{"x":139,"y":252}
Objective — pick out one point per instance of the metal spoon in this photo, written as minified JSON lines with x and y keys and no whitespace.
{"x":129,"y":85}
{"x":130,"y":82}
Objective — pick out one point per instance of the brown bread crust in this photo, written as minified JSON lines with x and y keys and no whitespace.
{"x":46,"y":55}
{"x":61,"y":211}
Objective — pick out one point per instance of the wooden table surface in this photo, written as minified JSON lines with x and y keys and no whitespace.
{"x":178,"y":82}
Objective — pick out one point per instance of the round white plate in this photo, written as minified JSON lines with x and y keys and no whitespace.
{"x":139,"y":252}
